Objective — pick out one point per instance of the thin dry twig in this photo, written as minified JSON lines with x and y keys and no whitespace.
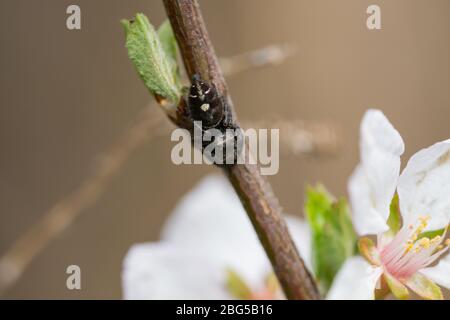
{"x":253,"y":189}
{"x":270,"y":55}
{"x":14,"y":262}
{"x":300,"y":137}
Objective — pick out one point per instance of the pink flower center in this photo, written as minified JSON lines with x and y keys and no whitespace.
{"x":408,"y":252}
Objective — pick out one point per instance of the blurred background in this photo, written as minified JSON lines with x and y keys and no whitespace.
{"x":67,"y":96}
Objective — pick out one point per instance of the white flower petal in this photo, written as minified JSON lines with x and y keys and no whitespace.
{"x":301,"y":235}
{"x":440,"y":273}
{"x":374,"y":181}
{"x":162,"y":271}
{"x":356,"y":280}
{"x":424,"y":186}
{"x":208,"y":232}
{"x":366,"y":219}
{"x":210,"y":221}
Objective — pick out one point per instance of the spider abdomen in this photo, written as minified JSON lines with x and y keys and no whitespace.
{"x":204,"y":103}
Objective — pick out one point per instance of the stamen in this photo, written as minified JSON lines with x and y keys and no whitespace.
{"x":403,"y":242}
{"x":408,"y":253}
{"x":422,"y":242}
{"x":433,"y":258}
{"x":421,"y":256}
{"x":436,"y":239}
{"x":395,"y":248}
{"x":409,"y":246}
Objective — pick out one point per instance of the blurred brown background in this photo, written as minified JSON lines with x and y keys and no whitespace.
{"x":66,"y":95}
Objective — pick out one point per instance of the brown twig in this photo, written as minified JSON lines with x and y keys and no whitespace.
{"x":148,"y":123}
{"x":254,"y":191}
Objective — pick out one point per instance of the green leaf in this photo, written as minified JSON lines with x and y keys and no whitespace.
{"x":170,"y":47}
{"x":333,"y":237}
{"x":424,"y":287}
{"x":237,"y":286}
{"x":397,"y":288}
{"x":394,"y":221}
{"x":272,"y":283}
{"x":432,"y":234}
{"x":167,"y":38}
{"x":150,"y":59}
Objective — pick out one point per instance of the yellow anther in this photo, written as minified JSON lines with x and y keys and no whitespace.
{"x":440,"y":247}
{"x":423,"y":223}
{"x":420,"y":228}
{"x":424,"y":242}
{"x":408,"y":247}
{"x":436,"y":239}
{"x":447,"y":242}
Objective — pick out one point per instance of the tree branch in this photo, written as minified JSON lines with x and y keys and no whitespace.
{"x":148,"y":123}
{"x":254,"y":191}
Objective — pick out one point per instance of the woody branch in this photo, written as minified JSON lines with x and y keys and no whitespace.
{"x":255,"y":192}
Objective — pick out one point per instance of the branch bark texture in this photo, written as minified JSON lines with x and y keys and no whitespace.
{"x":253,"y":189}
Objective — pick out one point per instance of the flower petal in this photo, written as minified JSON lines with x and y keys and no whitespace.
{"x":373,"y":183}
{"x":355,"y":281}
{"x":440,"y":273}
{"x":369,"y":251}
{"x":162,"y":271}
{"x":301,"y":235}
{"x":210,"y":221}
{"x":424,"y":287}
{"x":366,"y":219}
{"x":424,"y":186}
